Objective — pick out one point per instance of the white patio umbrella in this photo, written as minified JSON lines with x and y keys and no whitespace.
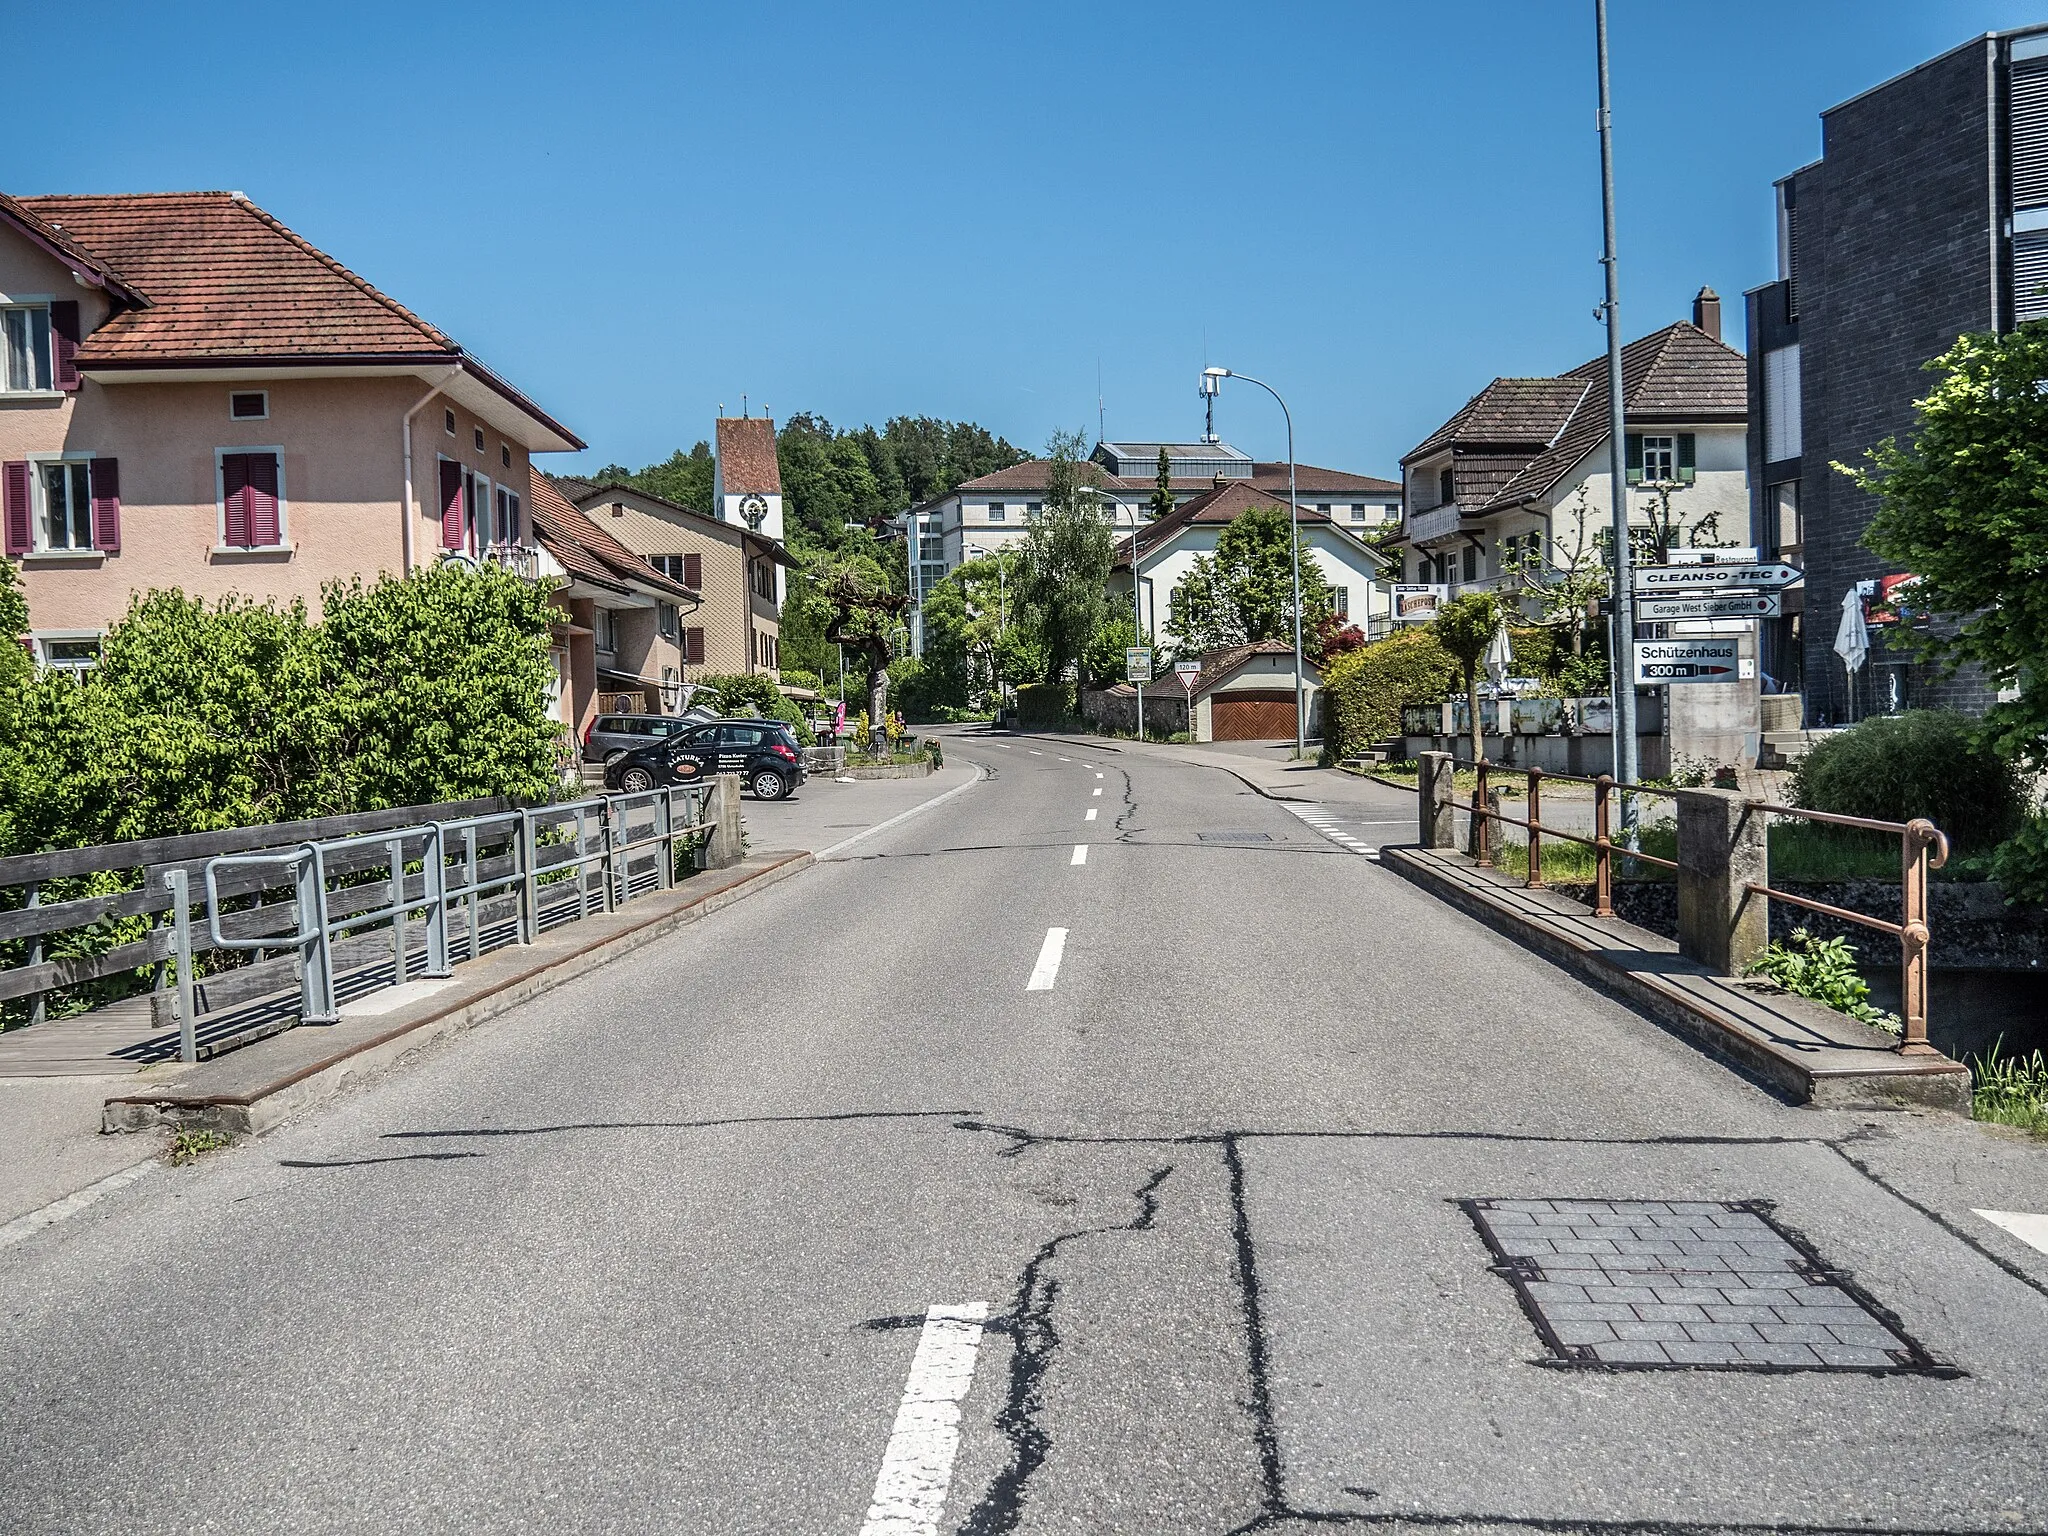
{"x":1500,"y":660}
{"x":1852,"y":641}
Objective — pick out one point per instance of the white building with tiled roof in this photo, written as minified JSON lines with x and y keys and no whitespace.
{"x":1522,"y":467}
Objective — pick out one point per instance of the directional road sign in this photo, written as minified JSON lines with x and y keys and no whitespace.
{"x":1686,"y":661}
{"x":1693,"y":579}
{"x":1138,"y":664}
{"x":1744,"y":605}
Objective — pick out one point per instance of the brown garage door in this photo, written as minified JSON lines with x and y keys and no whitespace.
{"x":1254,"y":714}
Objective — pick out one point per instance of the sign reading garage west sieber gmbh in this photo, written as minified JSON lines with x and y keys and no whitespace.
{"x":1711,"y":660}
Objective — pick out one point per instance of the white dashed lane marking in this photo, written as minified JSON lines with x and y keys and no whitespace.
{"x":1321,"y":819}
{"x":1098,"y":791}
{"x":1099,"y":775}
{"x":1047,"y":971}
{"x":910,"y":1490}
{"x":1089,"y":817}
{"x":2024,"y":1225}
{"x":1080,"y":854}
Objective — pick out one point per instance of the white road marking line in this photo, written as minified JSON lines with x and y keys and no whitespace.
{"x":841,"y":846}
{"x":1047,"y":970}
{"x":1080,"y":854}
{"x":1099,"y":775}
{"x":1091,"y":814}
{"x":24,"y":1227}
{"x":2024,"y":1225}
{"x":910,"y":1490}
{"x":1098,"y":791}
{"x":1066,"y":759}
{"x":1036,"y":753}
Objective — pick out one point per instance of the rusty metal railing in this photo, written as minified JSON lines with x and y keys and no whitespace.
{"x":1605,"y":789}
{"x":1922,"y":846}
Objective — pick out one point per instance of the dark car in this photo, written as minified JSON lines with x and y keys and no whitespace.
{"x":764,"y":753}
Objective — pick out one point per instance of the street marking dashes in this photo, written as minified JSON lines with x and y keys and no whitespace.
{"x":1321,"y":820}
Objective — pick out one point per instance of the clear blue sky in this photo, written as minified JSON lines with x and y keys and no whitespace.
{"x":639,"y":211}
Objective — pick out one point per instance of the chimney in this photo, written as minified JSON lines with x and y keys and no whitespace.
{"x":1706,"y":312}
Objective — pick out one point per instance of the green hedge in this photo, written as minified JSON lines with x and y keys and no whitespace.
{"x":1363,"y":690}
{"x":1924,"y":762}
{"x":1045,"y":705}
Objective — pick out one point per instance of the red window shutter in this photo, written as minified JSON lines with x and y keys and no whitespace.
{"x":234,"y":499}
{"x":693,"y":647}
{"x":266,"y":528}
{"x":106,"y":505}
{"x":64,"y":339}
{"x":14,"y":484}
{"x":693,"y":573}
{"x":451,"y":504}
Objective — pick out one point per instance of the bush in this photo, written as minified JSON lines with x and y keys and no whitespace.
{"x":2020,"y":865}
{"x":1045,"y":705}
{"x":1363,"y":690}
{"x":1921,"y":763}
{"x":756,"y":694}
{"x":1824,"y":970}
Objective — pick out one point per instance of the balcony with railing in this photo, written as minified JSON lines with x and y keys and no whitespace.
{"x":520,"y":559}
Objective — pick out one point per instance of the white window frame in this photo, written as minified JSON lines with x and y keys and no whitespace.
{"x":39,"y":505}
{"x":998,"y":512}
{"x":261,"y":394}
{"x":1667,"y":450}
{"x":41,"y":301}
{"x":221,"y":546}
{"x":42,"y":639}
{"x":604,"y":632}
{"x":668,"y":618}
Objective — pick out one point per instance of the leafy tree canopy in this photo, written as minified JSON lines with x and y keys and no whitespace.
{"x":1245,"y":591}
{"x":1067,"y":556}
{"x":1964,"y":507}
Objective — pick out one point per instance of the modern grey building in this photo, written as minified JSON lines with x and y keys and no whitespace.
{"x":1925,"y":217}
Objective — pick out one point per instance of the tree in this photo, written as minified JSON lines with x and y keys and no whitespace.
{"x":1565,"y":582}
{"x":1245,"y":591}
{"x":1465,"y":627}
{"x":866,"y":619}
{"x":1161,"y":500}
{"x":1103,"y":660}
{"x":1965,"y":508}
{"x":1067,"y":556}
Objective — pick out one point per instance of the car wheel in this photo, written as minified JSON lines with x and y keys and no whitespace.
{"x":768,"y":784}
{"x":636,"y":781}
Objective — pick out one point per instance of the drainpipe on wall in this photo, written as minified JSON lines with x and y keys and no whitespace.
{"x":407,"y":515}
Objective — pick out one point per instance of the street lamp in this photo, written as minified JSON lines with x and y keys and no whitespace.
{"x":1137,"y":591}
{"x":1212,"y":385}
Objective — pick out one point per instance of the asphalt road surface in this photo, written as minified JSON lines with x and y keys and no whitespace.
{"x":972,"y":1182}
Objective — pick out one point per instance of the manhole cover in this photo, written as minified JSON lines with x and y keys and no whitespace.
{"x":1678,"y":1284}
{"x":1234,"y":837}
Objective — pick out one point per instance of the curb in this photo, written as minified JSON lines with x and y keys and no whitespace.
{"x":1943,"y":1084}
{"x":253,"y":1112}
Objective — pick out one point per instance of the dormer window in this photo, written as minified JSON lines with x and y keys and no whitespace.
{"x":25,"y":348}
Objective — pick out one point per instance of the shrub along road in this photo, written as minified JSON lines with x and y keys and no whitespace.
{"x":1167,"y":1142}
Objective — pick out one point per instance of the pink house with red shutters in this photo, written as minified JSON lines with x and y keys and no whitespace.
{"x":193,"y":396}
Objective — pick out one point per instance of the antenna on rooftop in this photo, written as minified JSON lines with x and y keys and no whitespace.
{"x":743,"y":405}
{"x":1101,"y":431}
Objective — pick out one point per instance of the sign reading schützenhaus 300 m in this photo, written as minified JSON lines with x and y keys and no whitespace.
{"x":1686,"y":661}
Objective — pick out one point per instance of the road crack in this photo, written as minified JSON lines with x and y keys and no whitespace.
{"x":1034,"y":1340}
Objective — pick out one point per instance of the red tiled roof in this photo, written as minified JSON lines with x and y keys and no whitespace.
{"x":746,"y":456}
{"x":226,"y":280}
{"x":1310,"y":479}
{"x":67,"y":250}
{"x":584,"y":549}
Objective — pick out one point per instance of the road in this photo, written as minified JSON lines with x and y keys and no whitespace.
{"x":868,"y":1205}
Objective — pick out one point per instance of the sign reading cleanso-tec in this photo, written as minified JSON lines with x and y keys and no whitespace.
{"x":1712,"y":660}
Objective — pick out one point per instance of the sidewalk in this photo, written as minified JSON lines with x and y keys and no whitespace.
{"x":61,"y":1082}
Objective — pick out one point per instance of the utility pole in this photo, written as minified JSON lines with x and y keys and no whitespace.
{"x":1622,"y":657}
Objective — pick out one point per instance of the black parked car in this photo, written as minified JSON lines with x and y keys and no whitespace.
{"x":763,"y":753}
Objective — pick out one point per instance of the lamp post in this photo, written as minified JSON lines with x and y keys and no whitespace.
{"x":1212,"y":385}
{"x":1622,"y":651}
{"x":1137,"y":590}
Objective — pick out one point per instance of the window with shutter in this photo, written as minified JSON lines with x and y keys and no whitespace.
{"x":693,"y":648}
{"x":64,"y":339}
{"x":24,"y":347}
{"x":1687,"y":446}
{"x":234,"y":500}
{"x":451,"y":504}
{"x":266,"y":503}
{"x":14,"y":498}
{"x":1634,"y":445}
{"x":106,"y":505}
{"x":693,"y":574}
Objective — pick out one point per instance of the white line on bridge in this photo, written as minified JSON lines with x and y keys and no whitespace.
{"x":2024,"y":1225}
{"x":1047,"y":970}
{"x":1091,"y":814}
{"x":841,"y":846}
{"x":910,"y":1490}
{"x":1080,"y":854}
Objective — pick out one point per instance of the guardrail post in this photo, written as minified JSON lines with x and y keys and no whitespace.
{"x":434,"y":889}
{"x":725,"y":848}
{"x":1723,"y":848}
{"x":316,"y":972}
{"x":665,"y":872}
{"x":529,"y":879}
{"x":608,"y":866}
{"x":181,"y":948}
{"x":582,"y":869}
{"x":1437,"y":826}
{"x":469,"y":880}
{"x":395,"y":848}
{"x":38,"y":1009}
{"x":1603,"y":846}
{"x":1535,"y":819}
{"x":1913,"y":938}
{"x":1482,"y":825}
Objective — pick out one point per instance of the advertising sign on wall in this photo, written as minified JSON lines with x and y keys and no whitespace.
{"x":1417,"y":602}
